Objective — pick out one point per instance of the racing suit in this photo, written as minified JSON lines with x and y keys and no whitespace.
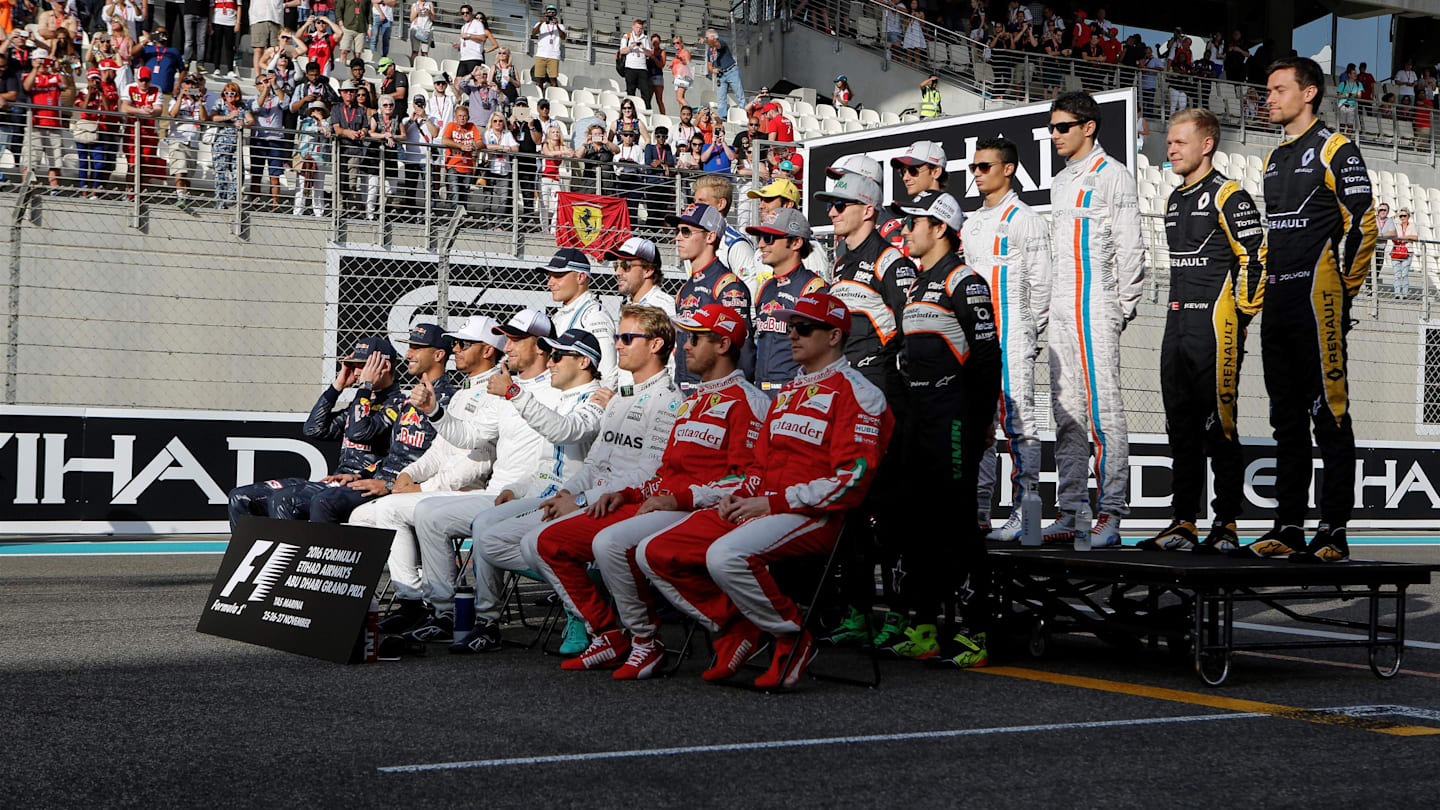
{"x":534,"y":449}
{"x":285,"y":496}
{"x":585,"y":312}
{"x":737,"y":251}
{"x":814,"y":460}
{"x":774,"y":367}
{"x":713,"y":439}
{"x":626,"y":453}
{"x":873,"y":280}
{"x":951,"y":360}
{"x":1009,"y":245}
{"x":1099,"y":265}
{"x":661,"y":300}
{"x":711,"y":284}
{"x":1213,"y":229}
{"x":410,"y":436}
{"x":1317,"y":253}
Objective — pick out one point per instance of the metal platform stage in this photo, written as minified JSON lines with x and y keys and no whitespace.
{"x":1132,"y":598}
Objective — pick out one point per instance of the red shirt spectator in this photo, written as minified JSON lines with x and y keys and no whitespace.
{"x":45,"y":92}
{"x":1080,"y":32}
{"x":777,"y":126}
{"x":1112,"y":48}
{"x":1367,"y":85}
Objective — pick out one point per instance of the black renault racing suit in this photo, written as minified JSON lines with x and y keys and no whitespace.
{"x":1321,"y":222}
{"x":1214,"y":233}
{"x":951,"y":362}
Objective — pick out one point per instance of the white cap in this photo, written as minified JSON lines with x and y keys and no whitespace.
{"x":921,"y":153}
{"x":933,"y":204}
{"x":479,"y":328}
{"x":853,"y":188}
{"x":527,"y":323}
{"x":863,"y":165}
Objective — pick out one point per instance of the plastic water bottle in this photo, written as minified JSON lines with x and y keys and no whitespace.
{"x":464,"y":609}
{"x":1082,"y":528}
{"x":1030,"y":532}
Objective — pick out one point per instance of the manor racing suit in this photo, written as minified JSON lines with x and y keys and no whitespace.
{"x":711,"y":284}
{"x":1099,"y":266}
{"x":1213,"y":229}
{"x":1317,"y":253}
{"x":814,"y":460}
{"x":713,"y":440}
{"x":951,"y":360}
{"x":1009,"y":245}
{"x":774,"y":367}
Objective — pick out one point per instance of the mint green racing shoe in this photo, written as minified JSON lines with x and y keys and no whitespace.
{"x":575,"y":639}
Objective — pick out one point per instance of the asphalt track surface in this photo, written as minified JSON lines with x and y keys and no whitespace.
{"x":113,"y":699}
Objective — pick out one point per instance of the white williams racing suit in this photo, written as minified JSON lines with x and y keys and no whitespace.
{"x":1009,"y":246}
{"x":585,"y":312}
{"x":738,"y":253}
{"x":1099,"y":267}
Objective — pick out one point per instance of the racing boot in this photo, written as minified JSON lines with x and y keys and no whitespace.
{"x":1009,"y":531}
{"x":1061,"y":532}
{"x":964,"y":650}
{"x":1178,"y":536}
{"x":438,"y":628}
{"x":608,"y":651}
{"x":1105,"y":532}
{"x":575,"y":639}
{"x":408,"y":615}
{"x":1221,"y":540}
{"x":484,"y":638}
{"x":891,"y":630}
{"x":733,"y":648}
{"x":798,"y":650}
{"x":853,"y":629}
{"x":920,"y":642}
{"x":1281,"y":541}
{"x":1328,"y":546}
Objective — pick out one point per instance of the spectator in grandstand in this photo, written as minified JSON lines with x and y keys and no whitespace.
{"x":728,"y":411}
{"x":52,"y":19}
{"x":282,"y":71}
{"x":1214,"y":59}
{"x":892,"y":23}
{"x":267,"y":17}
{"x":629,"y":121}
{"x":363,"y":85}
{"x":267,"y":144}
{"x":843,"y":94}
{"x":322,"y":8}
{"x":321,"y":37}
{"x":231,"y":112}
{"x":1386,"y":107}
{"x":354,"y":19}
{"x":776,"y":125}
{"x":530,"y":138}
{"x":12,"y":118}
{"x":422,"y":28}
{"x":415,"y":155}
{"x":659,"y":162}
{"x":1385,"y":231}
{"x":1367,"y":82}
{"x":152,"y":51}
{"x":596,"y":150}
{"x":440,"y":107}
{"x":914,"y":44}
{"x":743,"y":147}
{"x":393,"y":415}
{"x":581,"y":127}
{"x":96,"y":134}
{"x":45,"y":85}
{"x":1111,"y":47}
{"x":462,"y":140}
{"x":976,"y":23}
{"x":930,"y":103}
{"x":479,"y":92}
{"x":474,"y":33}
{"x":1348,"y":94}
{"x":785,"y":241}
{"x":549,"y":34}
{"x":719,"y":156}
{"x":224,"y":29}
{"x":687,"y":154}
{"x":498,"y":142}
{"x":349,"y":125}
{"x":311,"y":159}
{"x":313,"y":89}
{"x":505,"y":76}
{"x":393,"y":83}
{"x":382,"y":20}
{"x":290,"y":497}
{"x":721,"y":64}
{"x":1421,"y":121}
{"x":555,"y":151}
{"x":634,"y":55}
{"x":189,"y":107}
{"x":1405,"y":81}
{"x":386,"y":134}
{"x":686,"y":129}
{"x":546,"y":121}
{"x":1403,"y":234}
{"x":682,"y":73}
{"x":142,"y":101}
{"x":705,"y":123}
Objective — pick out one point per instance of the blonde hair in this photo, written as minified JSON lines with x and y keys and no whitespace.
{"x":1205,"y":123}
{"x":654,"y":321}
{"x":718,"y":186}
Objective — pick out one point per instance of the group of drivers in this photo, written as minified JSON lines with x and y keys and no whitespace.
{"x":749,"y":420}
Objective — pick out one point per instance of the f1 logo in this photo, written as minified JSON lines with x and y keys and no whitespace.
{"x":268,"y":574}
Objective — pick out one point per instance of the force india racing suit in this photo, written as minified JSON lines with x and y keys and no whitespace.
{"x":626,"y":453}
{"x":813,"y":461}
{"x":1317,"y":253}
{"x":951,"y":360}
{"x":774,"y":367}
{"x":283,"y":497}
{"x":1214,"y":233}
{"x":1099,"y":267}
{"x":1009,"y":246}
{"x":713,"y":439}
{"x":711,"y":284}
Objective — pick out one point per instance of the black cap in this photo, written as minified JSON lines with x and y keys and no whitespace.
{"x":578,"y":341}
{"x":566,"y":260}
{"x":366,"y":346}
{"x":431,"y":336}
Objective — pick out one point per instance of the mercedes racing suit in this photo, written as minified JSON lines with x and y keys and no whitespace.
{"x":585,"y":312}
{"x":1099,"y":269}
{"x":711,"y":284}
{"x":1213,"y":229}
{"x":713,"y":439}
{"x":1009,"y":245}
{"x":1316,"y":255}
{"x":951,"y":360}
{"x":814,"y":460}
{"x":282,"y":497}
{"x":774,"y":367}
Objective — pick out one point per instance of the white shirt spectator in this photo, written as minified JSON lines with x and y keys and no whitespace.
{"x":635,"y":59}
{"x":499,"y":164}
{"x":267,"y":11}
{"x":417,"y":137}
{"x":473,"y":48}
{"x":892,"y":22}
{"x":1405,"y":83}
{"x":440,"y":109}
{"x":548,"y":40}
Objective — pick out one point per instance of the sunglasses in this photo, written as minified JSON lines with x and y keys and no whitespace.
{"x":558,"y":355}
{"x":626,"y":338}
{"x":770,"y":238}
{"x":683,"y":231}
{"x":839,"y":206}
{"x":1065,"y":126}
{"x":806,"y":328}
{"x":982,"y":167}
{"x":463,"y":345}
{"x":914,"y":171}
{"x":909,"y":221}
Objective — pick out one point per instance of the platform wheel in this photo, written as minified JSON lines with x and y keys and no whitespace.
{"x":1378,"y":656}
{"x":1213,"y":668}
{"x":1039,"y":642}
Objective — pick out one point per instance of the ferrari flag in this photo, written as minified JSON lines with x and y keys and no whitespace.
{"x":591,"y":222}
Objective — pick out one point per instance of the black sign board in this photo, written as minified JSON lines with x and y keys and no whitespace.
{"x":296,"y":586}
{"x":1025,"y":126}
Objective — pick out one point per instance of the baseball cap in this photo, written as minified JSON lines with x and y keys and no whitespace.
{"x":431,"y":336}
{"x":863,"y":165}
{"x":567,"y":260}
{"x":315,"y":105}
{"x":700,"y":215}
{"x":93,"y":74}
{"x":783,"y":222}
{"x":715,"y":318}
{"x":771,"y":107}
{"x":40,"y":53}
{"x":551,"y":7}
{"x":853,"y":188}
{"x":109,"y":64}
{"x":933,"y":204}
{"x":443,"y":78}
{"x":142,"y":73}
{"x":921,"y":153}
{"x":526,"y":323}
{"x":384,"y":62}
{"x":575,"y":340}
{"x":842,"y":78}
{"x":366,"y":346}
{"x":821,"y":308}
{"x":480,"y":329}
{"x":636,"y":248}
{"x":783,"y":187}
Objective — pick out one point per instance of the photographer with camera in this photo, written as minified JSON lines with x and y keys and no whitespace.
{"x":152,"y":51}
{"x":549,"y":36}
{"x":930,"y":97}
{"x":190,"y":107}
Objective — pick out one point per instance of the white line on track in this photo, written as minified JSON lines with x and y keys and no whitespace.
{"x":1301,"y":631}
{"x":766,"y":745}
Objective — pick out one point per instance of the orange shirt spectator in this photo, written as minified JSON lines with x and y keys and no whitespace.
{"x":463,"y":136}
